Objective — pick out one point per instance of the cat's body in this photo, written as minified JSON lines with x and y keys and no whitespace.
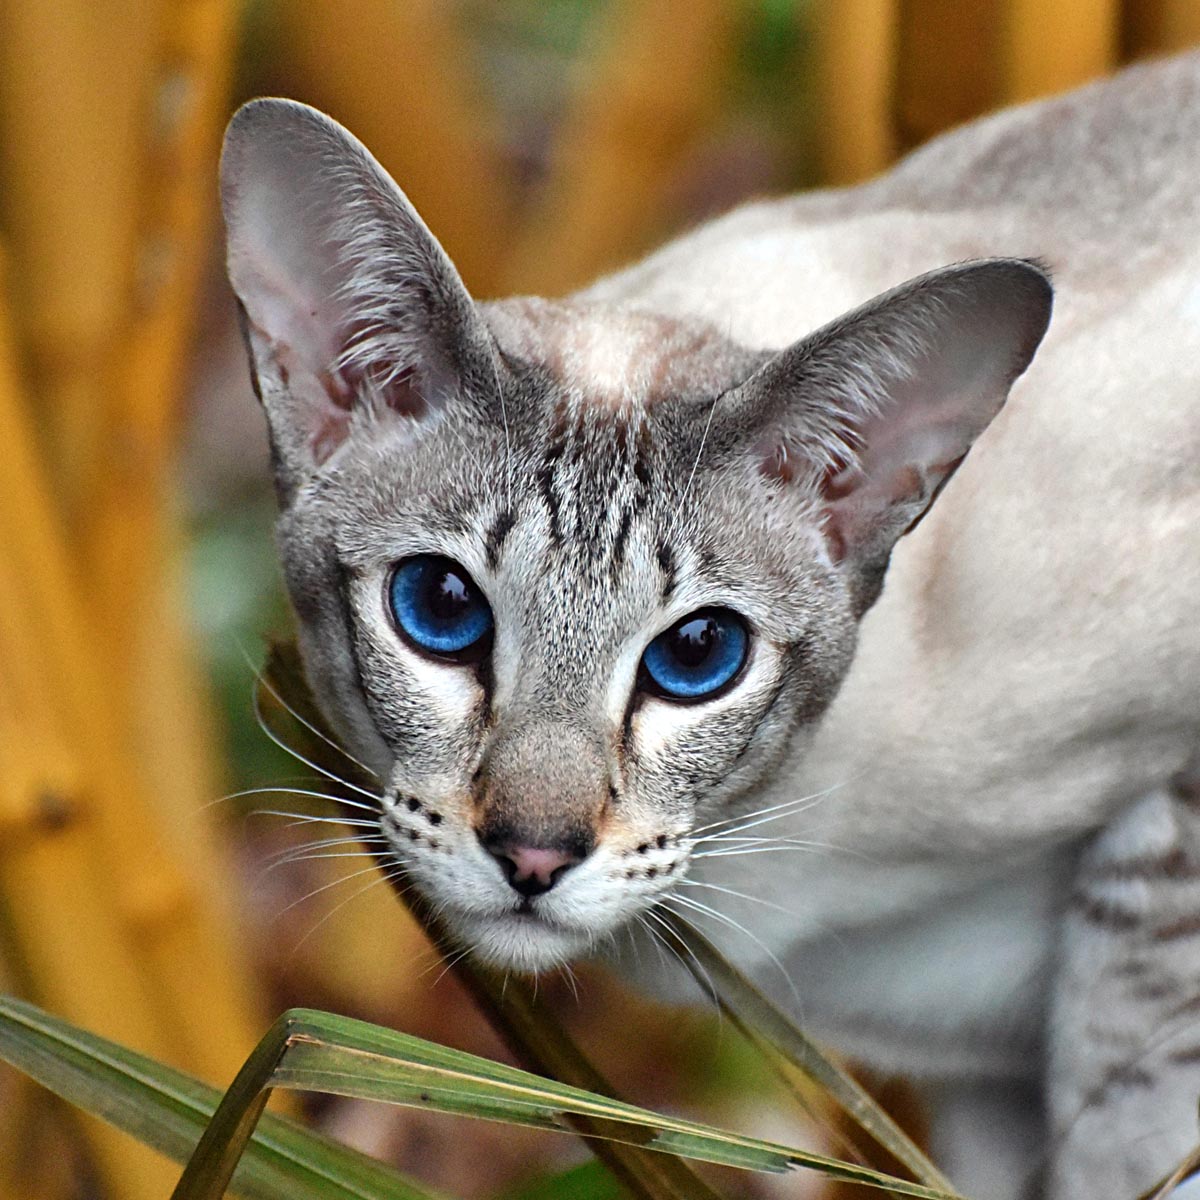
{"x":1032,"y":668}
{"x":1004,"y":892}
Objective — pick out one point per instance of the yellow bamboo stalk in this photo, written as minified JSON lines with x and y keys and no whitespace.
{"x":1160,"y":26}
{"x":133,"y":546}
{"x":948,"y":68}
{"x":158,"y":865}
{"x":855,"y":65}
{"x":72,"y":102}
{"x":58,"y":895}
{"x":1049,"y":48}
{"x":644,"y":96}
{"x":397,"y":74}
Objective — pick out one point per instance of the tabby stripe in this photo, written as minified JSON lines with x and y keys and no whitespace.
{"x":1185,"y":927}
{"x":1105,"y":913}
{"x":496,"y":535}
{"x":1172,"y":864}
{"x":666,"y":562}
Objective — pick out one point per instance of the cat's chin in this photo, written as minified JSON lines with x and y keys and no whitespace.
{"x":523,"y":943}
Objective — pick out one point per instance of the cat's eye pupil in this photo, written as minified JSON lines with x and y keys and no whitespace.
{"x":437,"y":608}
{"x":698,"y":657}
{"x":693,"y":641}
{"x":448,"y":595}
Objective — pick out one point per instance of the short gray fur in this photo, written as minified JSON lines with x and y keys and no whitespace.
{"x":986,"y":760}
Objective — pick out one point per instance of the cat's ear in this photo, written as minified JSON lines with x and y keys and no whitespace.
{"x":873,"y":413}
{"x":352,"y":310}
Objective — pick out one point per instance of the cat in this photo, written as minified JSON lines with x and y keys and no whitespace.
{"x":616,"y":594}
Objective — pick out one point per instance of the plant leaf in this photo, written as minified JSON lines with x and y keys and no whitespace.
{"x":760,"y":1020}
{"x":589,"y":1181}
{"x":169,"y":1110}
{"x":323,"y":1052}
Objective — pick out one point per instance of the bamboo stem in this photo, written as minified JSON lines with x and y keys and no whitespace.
{"x":1049,"y":48}
{"x":856,"y":81}
{"x":111,"y":656}
{"x":654,"y":83}
{"x":61,"y":910}
{"x":1160,"y":26}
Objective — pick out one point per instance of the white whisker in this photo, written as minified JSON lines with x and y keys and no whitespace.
{"x":298,"y":858}
{"x":325,"y":844}
{"x":712,"y":913}
{"x":311,"y":819}
{"x":707,"y":982}
{"x":362,"y":891}
{"x":775,"y":812}
{"x":733,"y":852}
{"x":296,"y":791}
{"x":325,"y":887}
{"x":262,"y":680}
{"x":274,"y":737}
{"x":703,"y":831}
{"x":703,"y":883}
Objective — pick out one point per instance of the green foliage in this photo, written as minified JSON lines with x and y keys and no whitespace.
{"x":169,"y":1110}
{"x":315,"y":1051}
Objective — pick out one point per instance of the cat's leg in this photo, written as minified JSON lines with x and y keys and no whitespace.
{"x":988,"y":1136}
{"x":1124,"y":1059}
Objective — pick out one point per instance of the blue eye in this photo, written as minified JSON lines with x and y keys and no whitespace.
{"x":439,"y":609}
{"x":697,"y":656}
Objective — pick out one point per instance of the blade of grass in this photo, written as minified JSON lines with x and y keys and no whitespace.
{"x":760,"y":1020}
{"x":589,"y":1181}
{"x":1162,"y":1191}
{"x":317,"y":1051}
{"x":168,"y":1110}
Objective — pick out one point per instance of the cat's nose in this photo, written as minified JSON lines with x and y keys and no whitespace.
{"x":531,"y":871}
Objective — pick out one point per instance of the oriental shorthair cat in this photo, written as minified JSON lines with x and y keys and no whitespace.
{"x":807,"y":580}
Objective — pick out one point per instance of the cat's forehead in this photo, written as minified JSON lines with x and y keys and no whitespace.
{"x":616,"y":356}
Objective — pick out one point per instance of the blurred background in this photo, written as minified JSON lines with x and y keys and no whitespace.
{"x":544,"y":142}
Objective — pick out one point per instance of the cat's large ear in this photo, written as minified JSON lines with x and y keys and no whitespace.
{"x":873,"y":413}
{"x":353,"y":312}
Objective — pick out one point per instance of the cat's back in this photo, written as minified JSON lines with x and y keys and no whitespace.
{"x":1103,"y":184}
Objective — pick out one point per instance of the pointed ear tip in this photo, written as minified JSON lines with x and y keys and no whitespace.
{"x":269,"y":115}
{"x":1038,"y":296}
{"x":265,"y":121}
{"x":1024,"y":288}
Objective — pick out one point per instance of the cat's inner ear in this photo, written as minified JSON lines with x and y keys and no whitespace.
{"x":873,"y":413}
{"x":352,"y":310}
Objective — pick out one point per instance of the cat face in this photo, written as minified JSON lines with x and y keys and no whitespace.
{"x":571,"y":579}
{"x":583,"y":536}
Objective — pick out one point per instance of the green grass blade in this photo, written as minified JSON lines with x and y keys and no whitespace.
{"x":763,"y":1022}
{"x":322,"y":1052}
{"x":169,"y":1110}
{"x":590,"y":1181}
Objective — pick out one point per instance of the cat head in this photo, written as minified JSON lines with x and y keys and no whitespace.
{"x":573,"y":578}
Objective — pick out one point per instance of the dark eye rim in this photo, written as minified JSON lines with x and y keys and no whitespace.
{"x":646,"y":684}
{"x":469,"y":656}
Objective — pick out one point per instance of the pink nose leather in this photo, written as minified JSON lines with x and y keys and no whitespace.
{"x":537,"y":865}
